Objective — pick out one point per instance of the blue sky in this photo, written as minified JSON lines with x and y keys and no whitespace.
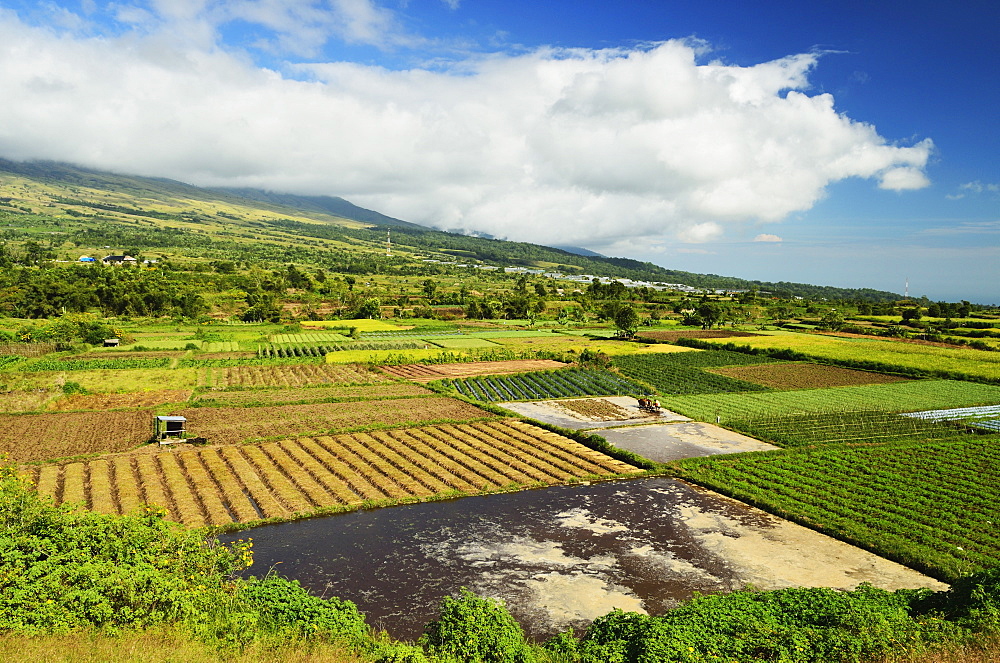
{"x":849,"y":144}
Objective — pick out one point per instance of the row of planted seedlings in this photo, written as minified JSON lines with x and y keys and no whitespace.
{"x":542,"y":385}
{"x":321,"y":350}
{"x":870,"y":426}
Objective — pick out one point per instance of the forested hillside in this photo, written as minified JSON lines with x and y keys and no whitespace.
{"x":53,"y":211}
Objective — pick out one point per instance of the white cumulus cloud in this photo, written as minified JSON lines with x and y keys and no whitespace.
{"x":765,"y":237}
{"x":560,"y":146}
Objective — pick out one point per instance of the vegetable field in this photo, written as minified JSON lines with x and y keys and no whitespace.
{"x":457,"y":343}
{"x":428,"y":372}
{"x":227,"y":425}
{"x":804,"y":376}
{"x":310,"y":337}
{"x":931,"y":506}
{"x":94,"y":364}
{"x":543,"y":385}
{"x":219,"y":485}
{"x":31,"y":437}
{"x":294,"y":375}
{"x":897,"y":397}
{"x":681,"y":372}
{"x":872,"y":427}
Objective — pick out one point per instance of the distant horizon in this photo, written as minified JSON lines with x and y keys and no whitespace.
{"x":806,"y":143}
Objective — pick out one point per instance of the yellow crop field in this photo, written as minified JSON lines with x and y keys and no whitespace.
{"x":298,"y":477}
{"x":980,"y":363}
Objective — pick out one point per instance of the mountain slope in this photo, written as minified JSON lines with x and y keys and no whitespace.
{"x":90,"y":208}
{"x":326,"y":204}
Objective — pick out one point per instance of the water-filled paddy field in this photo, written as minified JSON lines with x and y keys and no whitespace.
{"x":559,"y":556}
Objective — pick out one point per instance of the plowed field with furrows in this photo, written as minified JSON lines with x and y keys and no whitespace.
{"x":269,"y":396}
{"x":29,"y":437}
{"x":218,"y":485}
{"x":227,"y":425}
{"x":296,"y":375}
{"x":120,"y":401}
{"x":428,"y":372}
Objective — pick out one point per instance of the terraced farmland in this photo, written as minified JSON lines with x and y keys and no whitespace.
{"x":219,"y":485}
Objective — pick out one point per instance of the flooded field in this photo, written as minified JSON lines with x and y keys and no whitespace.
{"x":559,"y":556}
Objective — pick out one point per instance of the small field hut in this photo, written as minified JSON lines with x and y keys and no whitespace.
{"x":170,"y":428}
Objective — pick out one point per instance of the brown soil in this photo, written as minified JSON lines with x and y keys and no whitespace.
{"x":119,"y":401}
{"x":32,"y":437}
{"x":674,"y":334}
{"x":595,"y":409}
{"x":365,"y":392}
{"x":297,"y":375}
{"x":229,"y":425}
{"x":428,"y":372}
{"x":803,"y":376}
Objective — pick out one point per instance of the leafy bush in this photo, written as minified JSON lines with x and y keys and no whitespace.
{"x":284,"y":604}
{"x":74,"y":388}
{"x":797,"y":624}
{"x":473,"y":629}
{"x":64,"y":569}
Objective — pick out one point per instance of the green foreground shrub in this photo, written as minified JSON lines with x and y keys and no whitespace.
{"x":473,"y":629}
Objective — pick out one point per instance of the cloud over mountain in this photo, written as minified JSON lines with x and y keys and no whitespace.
{"x":563,"y":146}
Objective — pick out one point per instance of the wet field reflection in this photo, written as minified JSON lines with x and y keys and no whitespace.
{"x":558,"y":556}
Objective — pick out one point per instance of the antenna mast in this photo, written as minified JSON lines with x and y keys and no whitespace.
{"x":388,"y":243}
{"x":906,"y":293}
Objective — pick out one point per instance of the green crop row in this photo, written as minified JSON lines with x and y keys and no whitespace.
{"x":248,"y":361}
{"x":678,"y":372}
{"x":9,"y":360}
{"x":869,"y":427}
{"x":543,"y":385}
{"x":894,"y":397}
{"x":929,"y":505}
{"x":94,"y":364}
{"x":320,"y":350}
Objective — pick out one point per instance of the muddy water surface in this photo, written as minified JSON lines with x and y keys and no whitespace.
{"x":559,"y":556}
